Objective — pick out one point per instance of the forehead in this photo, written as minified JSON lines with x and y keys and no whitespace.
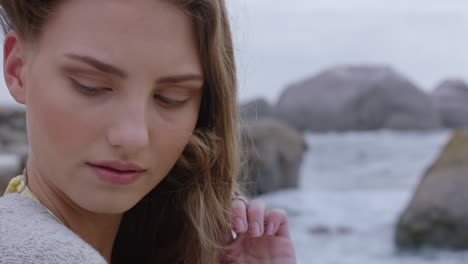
{"x":137,"y":33}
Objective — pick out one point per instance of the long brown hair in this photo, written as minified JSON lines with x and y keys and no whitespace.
{"x":184,"y":219}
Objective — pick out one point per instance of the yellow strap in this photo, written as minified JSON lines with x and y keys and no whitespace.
{"x":15,"y":185}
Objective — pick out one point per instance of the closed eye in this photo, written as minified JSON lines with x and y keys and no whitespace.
{"x":167,"y":101}
{"x":90,"y":91}
{"x":86,"y":89}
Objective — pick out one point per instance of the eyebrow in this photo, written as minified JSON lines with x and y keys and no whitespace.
{"x":180,"y":78}
{"x":99,"y":65}
{"x":108,"y":68}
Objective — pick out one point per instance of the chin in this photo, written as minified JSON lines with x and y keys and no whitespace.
{"x":109,"y":206}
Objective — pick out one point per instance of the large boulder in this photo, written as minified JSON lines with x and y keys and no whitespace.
{"x":273,"y":155}
{"x":437,"y":215}
{"x":256,"y":109}
{"x":13,"y":142}
{"x":451,"y":100}
{"x":357,"y":98}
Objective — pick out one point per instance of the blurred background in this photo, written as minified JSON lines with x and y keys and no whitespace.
{"x":354,"y":114}
{"x":349,"y":105}
{"x":282,"y":42}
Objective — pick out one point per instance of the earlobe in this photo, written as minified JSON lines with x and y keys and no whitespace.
{"x":13,"y":65}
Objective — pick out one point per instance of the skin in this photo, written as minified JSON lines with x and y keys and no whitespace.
{"x":262,"y":236}
{"x":125,"y":121}
{"x":144,"y":111}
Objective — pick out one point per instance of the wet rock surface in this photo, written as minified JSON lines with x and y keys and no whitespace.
{"x":451,"y":100}
{"x":437,"y":215}
{"x":273,"y":153}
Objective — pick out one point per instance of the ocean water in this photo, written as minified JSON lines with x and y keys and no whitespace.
{"x":353,"y":188}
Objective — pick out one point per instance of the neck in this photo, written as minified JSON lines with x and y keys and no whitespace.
{"x":98,"y":230}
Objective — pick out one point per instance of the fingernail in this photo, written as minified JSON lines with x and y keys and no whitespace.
{"x":255,"y":229}
{"x":270,"y":229}
{"x":239,"y":224}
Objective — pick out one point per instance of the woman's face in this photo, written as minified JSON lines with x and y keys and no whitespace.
{"x":111,"y":80}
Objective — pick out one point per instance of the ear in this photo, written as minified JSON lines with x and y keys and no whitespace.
{"x":13,"y":66}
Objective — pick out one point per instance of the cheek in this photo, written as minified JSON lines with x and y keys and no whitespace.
{"x":173,"y":141}
{"x":57,"y":123}
{"x":172,"y":137}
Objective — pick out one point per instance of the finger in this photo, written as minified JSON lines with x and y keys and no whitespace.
{"x":229,"y":237}
{"x":277,"y":223}
{"x":238,"y":216}
{"x":256,"y":217}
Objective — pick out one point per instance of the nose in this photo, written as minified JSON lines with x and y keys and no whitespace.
{"x":129,"y":132}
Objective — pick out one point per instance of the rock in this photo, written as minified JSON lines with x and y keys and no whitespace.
{"x":319,"y":230}
{"x":256,"y":109}
{"x":357,"y":98}
{"x":451,"y":100}
{"x":437,"y":215}
{"x":273,"y":153}
{"x":344,"y":230}
{"x":13,"y":142}
{"x":326,"y":230}
{"x":13,"y":137}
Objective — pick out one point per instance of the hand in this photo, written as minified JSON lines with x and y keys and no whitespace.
{"x":262,"y":237}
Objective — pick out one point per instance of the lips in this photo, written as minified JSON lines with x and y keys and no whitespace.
{"x":116,"y":172}
{"x":118,"y":165}
{"x":114,"y":169}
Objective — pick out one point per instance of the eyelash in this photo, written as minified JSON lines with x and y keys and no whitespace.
{"x":168,"y":101}
{"x":90,"y":91}
{"x":86,"y":89}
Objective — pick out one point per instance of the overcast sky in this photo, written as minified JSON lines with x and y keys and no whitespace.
{"x":281,"y":42}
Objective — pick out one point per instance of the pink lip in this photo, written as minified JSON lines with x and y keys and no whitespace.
{"x":118,"y":165}
{"x":114,"y":176}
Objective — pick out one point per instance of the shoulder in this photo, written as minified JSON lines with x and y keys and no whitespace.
{"x":29,"y":234}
